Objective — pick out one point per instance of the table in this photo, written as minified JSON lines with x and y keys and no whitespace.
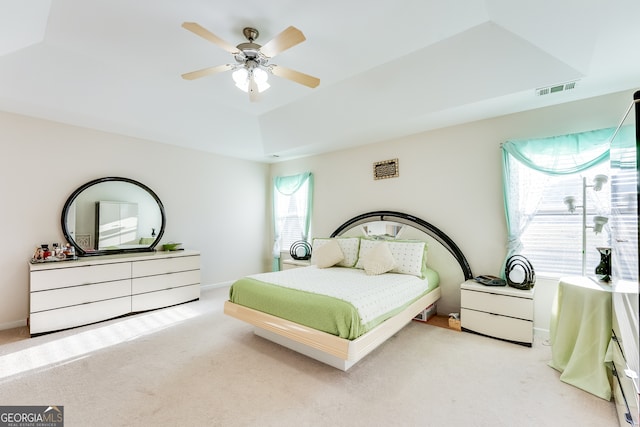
{"x":580,"y":332}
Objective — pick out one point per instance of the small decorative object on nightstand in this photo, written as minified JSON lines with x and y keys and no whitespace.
{"x":300,"y":250}
{"x":499,"y":312}
{"x":519,"y":273}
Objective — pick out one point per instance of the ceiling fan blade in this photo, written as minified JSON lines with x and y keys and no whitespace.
{"x":206,"y":72}
{"x":208,"y":35}
{"x":296,"y":76}
{"x":283,"y":41}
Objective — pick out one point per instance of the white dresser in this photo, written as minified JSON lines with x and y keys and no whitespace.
{"x":67,"y":294}
{"x":497,"y":311}
{"x":626,"y":358}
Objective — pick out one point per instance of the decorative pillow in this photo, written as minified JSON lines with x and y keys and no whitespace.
{"x":410,"y":255}
{"x":327,"y":255}
{"x":350,"y":247}
{"x":378,"y":259}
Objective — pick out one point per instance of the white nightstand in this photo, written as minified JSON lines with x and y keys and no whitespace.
{"x":287,"y":264}
{"x":499,"y":312}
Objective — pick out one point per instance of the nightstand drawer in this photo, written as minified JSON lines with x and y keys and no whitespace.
{"x":506,"y":328}
{"x":288,"y":264}
{"x":504,"y":305}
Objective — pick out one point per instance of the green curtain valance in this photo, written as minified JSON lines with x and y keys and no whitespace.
{"x":564,"y":154}
{"x":288,"y":185}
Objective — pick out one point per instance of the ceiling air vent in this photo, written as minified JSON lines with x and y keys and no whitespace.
{"x":555,"y":88}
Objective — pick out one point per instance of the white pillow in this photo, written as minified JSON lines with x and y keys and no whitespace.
{"x":350,"y":247}
{"x":327,"y":255}
{"x":378,"y":259}
{"x":410,"y":255}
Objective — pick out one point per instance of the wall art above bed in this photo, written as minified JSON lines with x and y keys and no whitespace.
{"x":386,"y":169}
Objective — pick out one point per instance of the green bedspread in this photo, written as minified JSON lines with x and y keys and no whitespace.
{"x":320,"y":312}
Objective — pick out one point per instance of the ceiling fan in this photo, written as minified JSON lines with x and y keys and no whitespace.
{"x":250,"y":72}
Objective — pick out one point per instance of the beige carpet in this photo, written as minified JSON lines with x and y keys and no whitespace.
{"x":191,"y":365}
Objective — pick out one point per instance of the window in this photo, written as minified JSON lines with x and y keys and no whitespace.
{"x":292,"y":203}
{"x":538,"y":175}
{"x":292,"y":217}
{"x":624,"y":221}
{"x":624,"y":204}
{"x":553,"y":239}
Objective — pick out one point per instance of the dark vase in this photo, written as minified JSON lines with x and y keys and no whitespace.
{"x":603,"y":270}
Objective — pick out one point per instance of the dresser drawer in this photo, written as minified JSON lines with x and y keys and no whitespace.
{"x":160,"y":282}
{"x":622,"y":400}
{"x":521,"y":308}
{"x":69,"y":317}
{"x":493,"y":325}
{"x":165,"y":265}
{"x":624,"y":391}
{"x":153,"y":300}
{"x":80,"y":275}
{"x":63,"y":297}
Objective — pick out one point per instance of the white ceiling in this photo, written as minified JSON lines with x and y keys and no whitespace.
{"x":388,"y":68}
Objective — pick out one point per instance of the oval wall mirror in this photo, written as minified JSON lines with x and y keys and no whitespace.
{"x":113,"y":215}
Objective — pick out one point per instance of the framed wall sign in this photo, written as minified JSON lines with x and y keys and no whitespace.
{"x":386,"y":169}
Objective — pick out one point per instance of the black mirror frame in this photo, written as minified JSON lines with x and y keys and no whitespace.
{"x":74,"y":195}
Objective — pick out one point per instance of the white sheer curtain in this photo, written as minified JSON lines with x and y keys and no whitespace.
{"x":528,"y":168}
{"x":292,"y":206}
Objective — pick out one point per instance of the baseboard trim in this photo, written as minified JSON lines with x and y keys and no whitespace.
{"x":541,"y":334}
{"x":12,"y":325}
{"x":217,"y":285}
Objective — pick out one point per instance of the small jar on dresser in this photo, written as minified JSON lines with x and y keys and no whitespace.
{"x":499,"y":312}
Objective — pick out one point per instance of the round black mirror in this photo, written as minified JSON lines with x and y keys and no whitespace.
{"x":113,"y":215}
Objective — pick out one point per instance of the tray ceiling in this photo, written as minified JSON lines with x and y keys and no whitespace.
{"x":387,"y":69}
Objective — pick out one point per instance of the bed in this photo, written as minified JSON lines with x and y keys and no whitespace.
{"x":389,"y":267}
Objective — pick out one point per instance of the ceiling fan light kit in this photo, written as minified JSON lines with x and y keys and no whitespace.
{"x":252,"y":68}
{"x":243,"y":76}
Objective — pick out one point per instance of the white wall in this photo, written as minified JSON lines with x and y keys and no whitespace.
{"x":219,"y":206}
{"x":213,"y":204}
{"x":450,"y":177}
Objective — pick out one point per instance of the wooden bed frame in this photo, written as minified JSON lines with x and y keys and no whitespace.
{"x":330,"y":349}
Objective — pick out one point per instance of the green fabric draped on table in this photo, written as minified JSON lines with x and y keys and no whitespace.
{"x":580,"y":332}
